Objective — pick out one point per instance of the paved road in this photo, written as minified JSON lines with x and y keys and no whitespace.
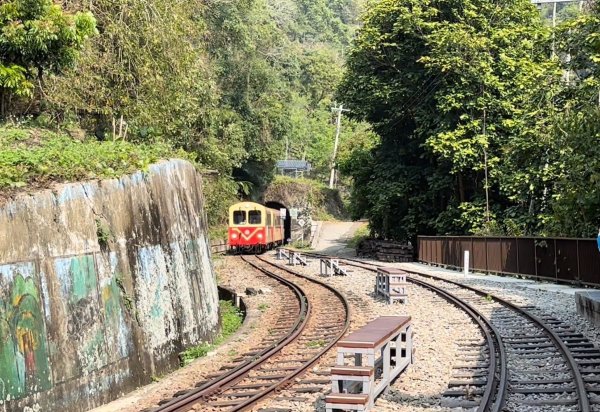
{"x":333,"y":236}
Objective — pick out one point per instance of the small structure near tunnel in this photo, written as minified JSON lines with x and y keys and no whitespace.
{"x":293,"y":168}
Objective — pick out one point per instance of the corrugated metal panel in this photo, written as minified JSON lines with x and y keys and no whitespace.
{"x":293,"y":164}
{"x":544,"y":251}
{"x":494,"y":254}
{"x":566,"y":260}
{"x":589,"y":262}
{"x":478,"y":250}
{"x":526,"y":259}
{"x":510,"y":262}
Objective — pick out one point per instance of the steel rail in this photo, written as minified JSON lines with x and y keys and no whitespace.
{"x":301,"y":369}
{"x":494,"y":396}
{"x":583,"y":400}
{"x":187,"y":401}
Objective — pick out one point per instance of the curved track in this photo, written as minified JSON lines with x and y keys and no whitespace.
{"x":291,"y":349}
{"x":527,"y":337}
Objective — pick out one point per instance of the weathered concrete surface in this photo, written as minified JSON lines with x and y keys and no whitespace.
{"x":101,"y":285}
{"x":588,"y":305}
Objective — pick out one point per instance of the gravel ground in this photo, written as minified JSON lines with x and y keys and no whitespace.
{"x":262,"y":311}
{"x":438,"y":328}
{"x":560,"y":305}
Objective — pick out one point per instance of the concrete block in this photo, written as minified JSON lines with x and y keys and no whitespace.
{"x":588,"y":305}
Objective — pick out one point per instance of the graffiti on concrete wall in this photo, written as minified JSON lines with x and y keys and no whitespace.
{"x":153,"y":296}
{"x":24,"y":366}
{"x":79,"y":287}
{"x":117,"y":330}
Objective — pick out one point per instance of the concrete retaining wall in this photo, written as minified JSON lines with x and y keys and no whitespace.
{"x":101,"y":285}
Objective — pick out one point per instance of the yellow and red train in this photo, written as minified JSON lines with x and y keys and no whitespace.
{"x":254,"y":227}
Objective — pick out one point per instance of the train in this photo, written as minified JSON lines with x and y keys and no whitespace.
{"x":254,"y":228}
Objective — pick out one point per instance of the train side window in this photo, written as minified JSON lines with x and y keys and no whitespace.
{"x":239,"y":217}
{"x":254,"y":217}
{"x":269,"y":219}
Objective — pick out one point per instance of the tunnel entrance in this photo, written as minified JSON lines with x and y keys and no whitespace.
{"x":287,"y":223}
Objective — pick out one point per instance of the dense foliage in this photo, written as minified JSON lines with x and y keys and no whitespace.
{"x":234,"y":83}
{"x":36,"y":37}
{"x":483,"y":117}
{"x":473,"y":110}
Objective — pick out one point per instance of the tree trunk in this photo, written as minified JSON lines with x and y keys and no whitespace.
{"x":2,"y":103}
{"x":461,"y":188}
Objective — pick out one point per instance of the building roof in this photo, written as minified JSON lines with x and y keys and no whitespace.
{"x":293,"y":164}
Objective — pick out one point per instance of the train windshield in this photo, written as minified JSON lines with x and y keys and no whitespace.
{"x":254,"y":217}
{"x":239,"y":217}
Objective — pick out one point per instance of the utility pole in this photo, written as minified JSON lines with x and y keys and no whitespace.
{"x":287,"y":147}
{"x":339,"y":111}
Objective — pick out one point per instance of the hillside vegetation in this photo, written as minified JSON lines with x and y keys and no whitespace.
{"x":489,"y":119}
{"x":37,"y":157}
{"x":466,"y":116}
{"x":313,"y":198}
{"x":230,"y":83}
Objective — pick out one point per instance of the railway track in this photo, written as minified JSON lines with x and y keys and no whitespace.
{"x":547,"y":365}
{"x":315,"y":318}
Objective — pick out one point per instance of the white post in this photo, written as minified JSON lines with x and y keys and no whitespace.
{"x":466,"y":266}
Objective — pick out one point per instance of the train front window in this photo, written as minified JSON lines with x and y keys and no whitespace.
{"x":254,"y":217}
{"x":239,"y":217}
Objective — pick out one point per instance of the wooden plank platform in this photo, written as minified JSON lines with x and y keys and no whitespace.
{"x":374,"y":333}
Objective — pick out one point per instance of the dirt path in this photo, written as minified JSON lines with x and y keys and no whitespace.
{"x":333,"y":236}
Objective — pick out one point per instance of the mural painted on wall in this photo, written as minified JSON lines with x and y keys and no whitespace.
{"x":24,"y":366}
{"x":79,"y":287}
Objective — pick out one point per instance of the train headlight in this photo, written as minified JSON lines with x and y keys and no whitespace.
{"x":260,"y":236}
{"x":234,"y":235}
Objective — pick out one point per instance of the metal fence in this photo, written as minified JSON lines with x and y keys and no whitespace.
{"x":558,"y":259}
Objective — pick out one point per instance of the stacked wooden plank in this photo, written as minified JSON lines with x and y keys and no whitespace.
{"x":385,"y":250}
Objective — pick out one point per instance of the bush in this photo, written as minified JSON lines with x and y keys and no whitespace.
{"x":39,"y":157}
{"x":361,"y":233}
{"x":231,"y":320}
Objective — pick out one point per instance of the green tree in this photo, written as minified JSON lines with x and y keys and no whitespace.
{"x":36,"y":37}
{"x":230,"y":82}
{"x":573,"y":197}
{"x":446,"y":84}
